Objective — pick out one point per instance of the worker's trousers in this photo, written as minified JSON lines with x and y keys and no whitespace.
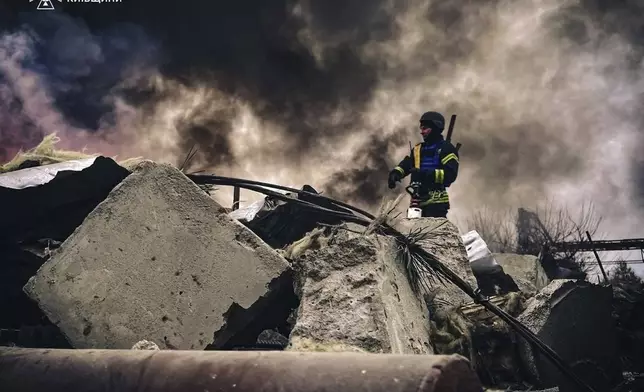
{"x":435,"y":210}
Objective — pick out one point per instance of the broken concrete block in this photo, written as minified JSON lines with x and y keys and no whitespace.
{"x":158,"y":258}
{"x":280,"y":223}
{"x":525,"y":270}
{"x":574,"y":319}
{"x":446,"y":244}
{"x":354,"y":296}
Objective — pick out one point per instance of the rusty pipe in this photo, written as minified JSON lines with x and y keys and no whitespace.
{"x":39,"y":370}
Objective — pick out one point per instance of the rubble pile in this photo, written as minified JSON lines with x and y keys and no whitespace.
{"x":491,"y":343}
{"x":141,"y":258}
{"x":280,"y":223}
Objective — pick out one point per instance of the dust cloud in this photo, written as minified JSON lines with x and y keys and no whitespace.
{"x":329,"y":93}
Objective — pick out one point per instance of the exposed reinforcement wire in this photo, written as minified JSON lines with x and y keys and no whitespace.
{"x":430,"y":261}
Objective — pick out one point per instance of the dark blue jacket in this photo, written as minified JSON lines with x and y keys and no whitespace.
{"x":434,"y":164}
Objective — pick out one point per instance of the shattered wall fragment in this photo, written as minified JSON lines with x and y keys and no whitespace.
{"x":280,"y":223}
{"x":525,"y":270}
{"x":574,"y":319}
{"x":354,"y":296}
{"x":157,"y":259}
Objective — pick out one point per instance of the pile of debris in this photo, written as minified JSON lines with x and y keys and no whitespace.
{"x":114,"y":256}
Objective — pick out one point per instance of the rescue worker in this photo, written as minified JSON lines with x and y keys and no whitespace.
{"x":433,"y":166}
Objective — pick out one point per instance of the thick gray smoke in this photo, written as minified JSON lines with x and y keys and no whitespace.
{"x":329,"y":93}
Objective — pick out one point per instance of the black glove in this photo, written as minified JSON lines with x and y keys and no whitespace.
{"x":394,"y":177}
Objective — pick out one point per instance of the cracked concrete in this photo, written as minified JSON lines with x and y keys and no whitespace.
{"x":355,"y":297}
{"x":158,"y":259}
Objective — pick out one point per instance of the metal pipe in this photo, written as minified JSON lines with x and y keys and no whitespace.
{"x":236,"y":196}
{"x":39,"y":370}
{"x":599,"y":261}
{"x":600,"y":245}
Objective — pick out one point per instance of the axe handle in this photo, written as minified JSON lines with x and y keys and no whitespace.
{"x":450,"y":129}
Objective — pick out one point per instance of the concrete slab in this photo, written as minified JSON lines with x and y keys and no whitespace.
{"x":574,"y":319}
{"x":354,"y":296}
{"x":157,"y":260}
{"x":526,"y":271}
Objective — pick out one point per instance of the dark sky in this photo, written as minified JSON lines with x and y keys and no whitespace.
{"x":250,"y":49}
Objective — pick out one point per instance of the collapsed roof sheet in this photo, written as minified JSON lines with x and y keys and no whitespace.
{"x":51,"y":201}
{"x":40,"y":175}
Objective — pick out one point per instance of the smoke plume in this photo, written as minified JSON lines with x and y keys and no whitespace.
{"x":329,"y":92}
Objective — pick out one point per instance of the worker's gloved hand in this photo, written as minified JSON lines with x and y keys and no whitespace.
{"x":394,"y":177}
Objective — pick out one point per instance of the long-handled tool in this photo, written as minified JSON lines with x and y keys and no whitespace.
{"x":450,"y":131}
{"x":450,"y":128}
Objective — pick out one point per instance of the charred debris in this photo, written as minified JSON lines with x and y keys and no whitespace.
{"x":294,"y":271}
